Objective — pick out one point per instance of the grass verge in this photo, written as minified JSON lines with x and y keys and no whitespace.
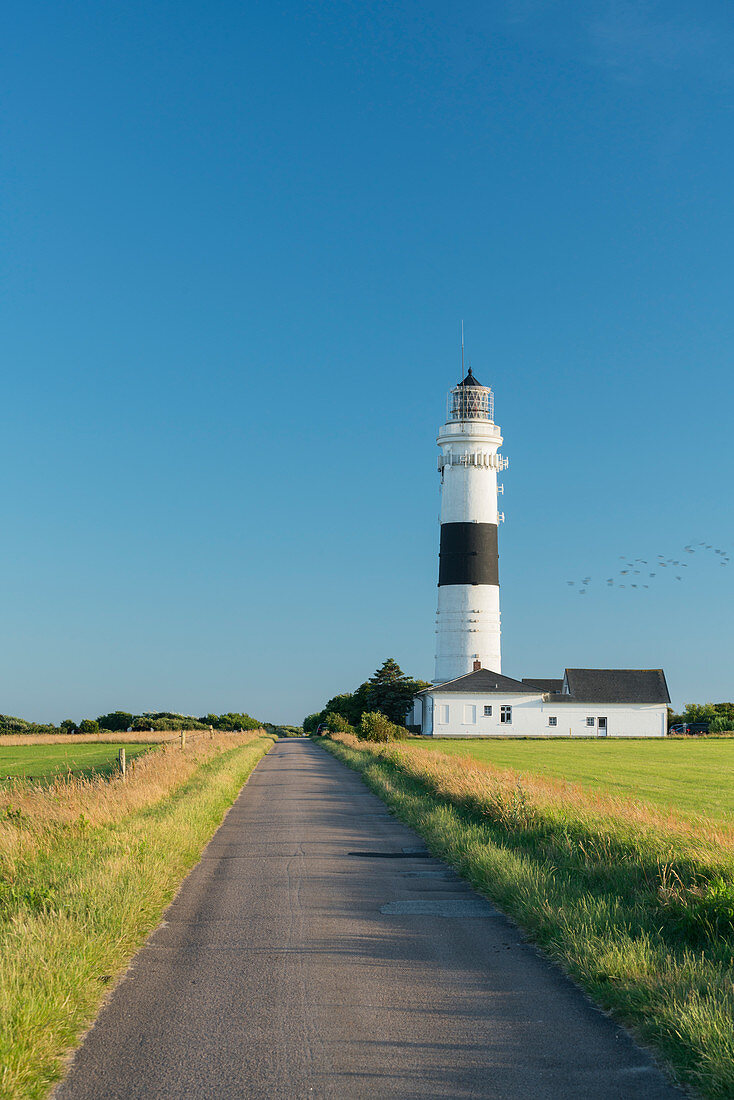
{"x":635,"y":904}
{"x":87,"y":868}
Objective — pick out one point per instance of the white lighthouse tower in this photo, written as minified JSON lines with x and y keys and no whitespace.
{"x":468,"y":619}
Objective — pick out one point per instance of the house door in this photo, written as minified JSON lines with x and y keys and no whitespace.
{"x":602,"y":724}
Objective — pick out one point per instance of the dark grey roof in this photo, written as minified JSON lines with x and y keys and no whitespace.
{"x":543,"y":685}
{"x":586,"y":685}
{"x":616,"y":685}
{"x":470,"y":380}
{"x":483,"y":680}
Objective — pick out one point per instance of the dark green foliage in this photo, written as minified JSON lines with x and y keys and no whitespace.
{"x":337,"y":723}
{"x":345,"y":705}
{"x":719,"y":716}
{"x":232,"y":721}
{"x":377,"y":727}
{"x":351,"y":704}
{"x":702,"y":912}
{"x":120,"y":720}
{"x":209,"y":720}
{"x":389,"y":691}
{"x":8,"y":724}
{"x":392,"y":692}
{"x":282,"y":731}
{"x":167,"y":720}
{"x":117,"y":721}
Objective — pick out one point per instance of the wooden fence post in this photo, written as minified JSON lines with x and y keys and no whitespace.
{"x":183,"y":739}
{"x":122,"y":763}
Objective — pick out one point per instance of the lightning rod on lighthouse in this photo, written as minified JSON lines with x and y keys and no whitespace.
{"x":468,"y":619}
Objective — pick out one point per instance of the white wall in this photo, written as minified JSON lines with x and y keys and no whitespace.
{"x":530,"y":716}
{"x":468,"y":627}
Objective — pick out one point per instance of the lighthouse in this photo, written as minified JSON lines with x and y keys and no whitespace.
{"x":468,"y":618}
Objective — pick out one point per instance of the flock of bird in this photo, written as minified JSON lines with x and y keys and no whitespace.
{"x":638,"y":573}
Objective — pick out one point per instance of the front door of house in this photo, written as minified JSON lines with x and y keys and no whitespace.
{"x":602,"y":725}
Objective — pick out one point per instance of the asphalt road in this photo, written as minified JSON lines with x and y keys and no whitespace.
{"x":315,"y":951}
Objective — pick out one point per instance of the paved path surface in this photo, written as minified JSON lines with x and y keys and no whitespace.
{"x":311,"y":953}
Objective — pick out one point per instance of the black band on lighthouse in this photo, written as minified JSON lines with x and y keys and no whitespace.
{"x":468,"y":554}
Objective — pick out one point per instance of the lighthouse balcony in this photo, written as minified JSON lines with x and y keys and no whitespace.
{"x":476,"y":458}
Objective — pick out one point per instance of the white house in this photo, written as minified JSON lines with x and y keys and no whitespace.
{"x":470,"y":697}
{"x":587,"y":702}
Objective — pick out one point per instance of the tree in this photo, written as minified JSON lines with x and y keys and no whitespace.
{"x":391,"y":692}
{"x":310,"y":722}
{"x":88,"y":725}
{"x":117,"y":720}
{"x":67,"y":726}
{"x":720,"y":716}
{"x":349,"y":705}
{"x":235,"y":721}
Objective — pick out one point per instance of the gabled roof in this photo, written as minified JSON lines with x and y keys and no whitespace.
{"x":616,"y":685}
{"x":585,"y":685}
{"x":470,"y":380}
{"x":483,"y":680}
{"x":543,"y":685}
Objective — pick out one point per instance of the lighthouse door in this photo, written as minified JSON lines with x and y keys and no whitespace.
{"x":602,"y":727}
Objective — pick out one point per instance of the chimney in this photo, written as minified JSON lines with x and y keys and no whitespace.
{"x":477,"y":666}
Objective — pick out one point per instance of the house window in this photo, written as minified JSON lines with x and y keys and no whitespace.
{"x":589,"y":721}
{"x":552,"y":721}
{"x":487,"y":712}
{"x":470,"y":714}
{"x":443,"y":714}
{"x":506,"y":715}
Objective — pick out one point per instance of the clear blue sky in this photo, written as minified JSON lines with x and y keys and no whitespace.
{"x":238,"y":241}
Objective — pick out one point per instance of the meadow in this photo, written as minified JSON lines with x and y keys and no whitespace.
{"x":87,"y":867}
{"x":692,"y":776}
{"x":635,"y":901}
{"x":44,"y":763}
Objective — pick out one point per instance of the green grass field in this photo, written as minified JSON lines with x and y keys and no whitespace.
{"x":694,"y":777}
{"x":44,"y":762}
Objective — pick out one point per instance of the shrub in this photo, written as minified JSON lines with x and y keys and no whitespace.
{"x":375,"y":726}
{"x":88,"y":725}
{"x":67,"y":726}
{"x":337,"y":723}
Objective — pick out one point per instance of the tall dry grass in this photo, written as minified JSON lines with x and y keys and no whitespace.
{"x":476,"y":784}
{"x":146,"y":737}
{"x":99,"y":799}
{"x":636,"y":903}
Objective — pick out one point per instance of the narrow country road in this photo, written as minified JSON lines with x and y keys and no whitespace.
{"x":315,"y":951}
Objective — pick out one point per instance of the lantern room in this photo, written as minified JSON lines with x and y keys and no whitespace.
{"x":470,"y":400}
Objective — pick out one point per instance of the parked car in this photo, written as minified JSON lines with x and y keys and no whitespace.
{"x":690,"y":728}
{"x":321,"y":730}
